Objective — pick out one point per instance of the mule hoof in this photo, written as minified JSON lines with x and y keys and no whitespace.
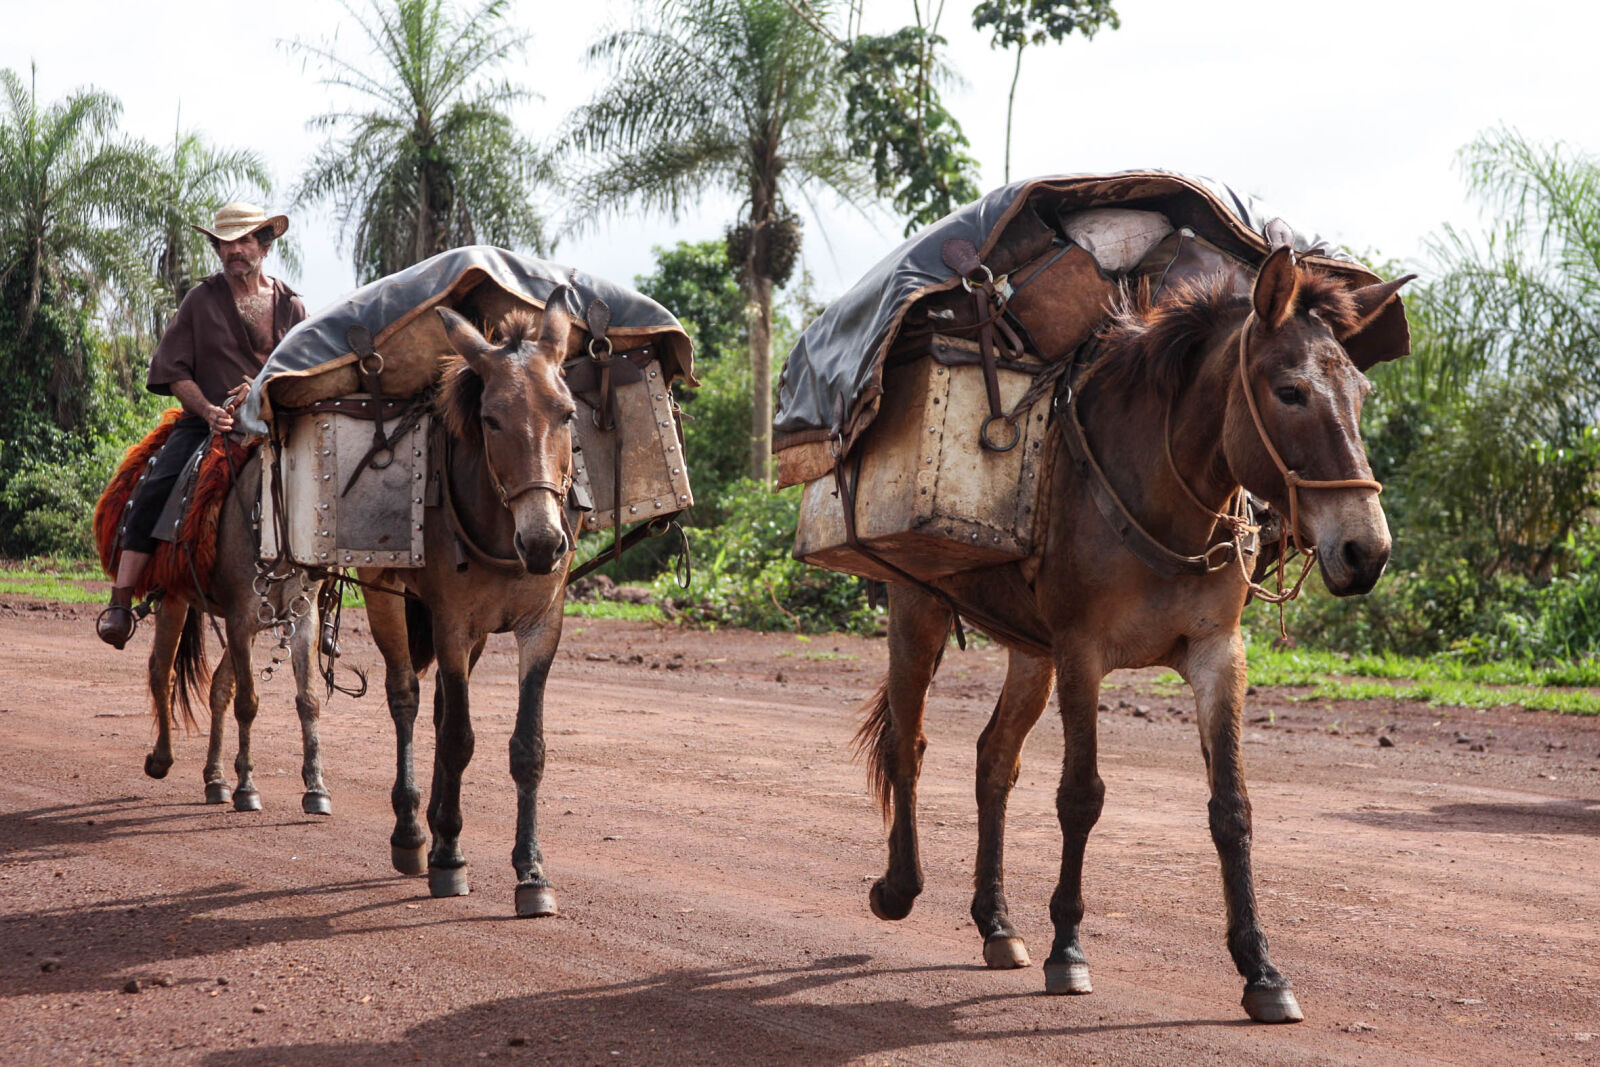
{"x":218,"y":793}
{"x":409,"y":860}
{"x":315,"y":803}
{"x":1067,"y":979}
{"x":1003,"y":952}
{"x":246,"y":800}
{"x":886,"y":903}
{"x":156,"y":768}
{"x":448,"y":881}
{"x":1272,"y":1005}
{"x":535,"y":901}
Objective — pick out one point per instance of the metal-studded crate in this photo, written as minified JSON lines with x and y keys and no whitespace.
{"x":929,"y":497}
{"x":655,"y":479}
{"x":377,"y":523}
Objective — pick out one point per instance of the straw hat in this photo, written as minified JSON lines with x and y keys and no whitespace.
{"x":235,"y":220}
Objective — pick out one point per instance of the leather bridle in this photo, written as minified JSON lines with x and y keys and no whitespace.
{"x":1291,"y":478}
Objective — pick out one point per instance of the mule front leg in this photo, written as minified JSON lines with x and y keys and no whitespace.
{"x":1216,"y":671}
{"x":218,"y":791}
{"x":893,"y":741}
{"x":245,"y":705}
{"x":1079,"y":800}
{"x":1022,"y":701}
{"x":163,"y":656}
{"x":536,"y":649}
{"x":307,"y":706}
{"x":386,"y":617}
{"x":453,"y":744}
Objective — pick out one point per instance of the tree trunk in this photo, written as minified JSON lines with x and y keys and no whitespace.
{"x":760,"y":297}
{"x":1011,"y":103}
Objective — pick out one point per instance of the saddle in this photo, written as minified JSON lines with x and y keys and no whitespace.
{"x":195,"y":504}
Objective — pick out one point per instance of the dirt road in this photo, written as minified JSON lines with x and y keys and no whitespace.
{"x":712,"y":844}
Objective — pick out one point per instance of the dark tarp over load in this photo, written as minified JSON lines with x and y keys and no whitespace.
{"x":832,"y":381}
{"x":314,"y":361}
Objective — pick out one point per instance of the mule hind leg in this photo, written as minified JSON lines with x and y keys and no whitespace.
{"x":1022,"y":701}
{"x":161,"y":665}
{"x":218,"y":791}
{"x":240,"y":630}
{"x":893,"y":740}
{"x":386,"y":617}
{"x":308,"y":707}
{"x":1216,"y":671}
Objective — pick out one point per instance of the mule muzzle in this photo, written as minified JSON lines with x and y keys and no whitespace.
{"x":1351,"y":567}
{"x":541,"y":555}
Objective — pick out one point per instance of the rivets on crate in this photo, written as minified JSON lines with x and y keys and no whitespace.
{"x":933,"y":429}
{"x":369,"y":559}
{"x":327,"y":477}
{"x":347,"y":557}
{"x":656,"y":504}
{"x":633,"y":509}
{"x":322,"y":555}
{"x":652,"y":374}
{"x":661,"y":396}
{"x":675,"y":470}
{"x":672,"y":448}
{"x":419,"y":525}
{"x":416,"y":500}
{"x":683,"y":496}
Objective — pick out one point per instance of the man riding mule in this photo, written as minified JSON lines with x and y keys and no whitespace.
{"x":221,"y":336}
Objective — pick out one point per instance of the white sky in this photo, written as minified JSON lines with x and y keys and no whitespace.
{"x":1345,"y":117}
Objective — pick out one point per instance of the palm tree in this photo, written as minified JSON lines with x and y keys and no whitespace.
{"x":434,"y":161}
{"x":73,"y":202}
{"x":739,"y":95}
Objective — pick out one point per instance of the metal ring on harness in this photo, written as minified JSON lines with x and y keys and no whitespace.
{"x":988,"y":279}
{"x":265,"y":615}
{"x":1226,"y":548}
{"x":606,"y":341}
{"x":299,"y":605}
{"x":1016,"y":433}
{"x":378,"y":356}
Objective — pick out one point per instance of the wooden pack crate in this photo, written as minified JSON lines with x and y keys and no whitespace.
{"x":930,"y":498}
{"x":655,"y":479}
{"x":378,"y":523}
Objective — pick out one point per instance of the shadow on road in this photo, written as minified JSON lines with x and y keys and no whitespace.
{"x":1559,"y":816}
{"x":729,"y":1014}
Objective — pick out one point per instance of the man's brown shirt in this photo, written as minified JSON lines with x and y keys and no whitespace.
{"x":207,"y":341}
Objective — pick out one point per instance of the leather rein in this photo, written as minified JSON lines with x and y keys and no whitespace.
{"x":1243,"y":535}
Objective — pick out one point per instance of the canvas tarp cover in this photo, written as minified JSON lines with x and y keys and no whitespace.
{"x":833,"y":378}
{"x":394,"y":306}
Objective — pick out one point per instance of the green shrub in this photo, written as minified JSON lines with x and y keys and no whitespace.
{"x":745,"y":575}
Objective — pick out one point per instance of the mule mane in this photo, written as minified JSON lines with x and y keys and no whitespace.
{"x":460,"y":395}
{"x":1156,"y":342}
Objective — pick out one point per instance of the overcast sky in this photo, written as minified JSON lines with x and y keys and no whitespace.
{"x":1344,"y":117}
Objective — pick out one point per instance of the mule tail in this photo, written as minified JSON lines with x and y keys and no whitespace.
{"x":419,"y":634}
{"x":192,"y":672}
{"x":874,"y":743}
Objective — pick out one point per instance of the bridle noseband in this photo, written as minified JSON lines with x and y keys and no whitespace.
{"x":1291,"y":478}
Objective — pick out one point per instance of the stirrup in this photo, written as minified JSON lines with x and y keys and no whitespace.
{"x":113,"y":630}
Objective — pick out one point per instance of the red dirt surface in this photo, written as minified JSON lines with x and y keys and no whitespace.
{"x":712,"y":842}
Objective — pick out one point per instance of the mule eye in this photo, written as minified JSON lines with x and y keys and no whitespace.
{"x":491,"y":423}
{"x":1290,"y":394}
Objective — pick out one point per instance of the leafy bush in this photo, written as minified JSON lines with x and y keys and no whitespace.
{"x":745,"y":576}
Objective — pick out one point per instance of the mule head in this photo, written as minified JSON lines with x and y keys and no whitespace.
{"x":510,"y":395}
{"x":1307,"y":395}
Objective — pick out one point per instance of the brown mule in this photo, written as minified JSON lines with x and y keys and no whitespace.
{"x":1249,"y":381}
{"x":506,"y":422}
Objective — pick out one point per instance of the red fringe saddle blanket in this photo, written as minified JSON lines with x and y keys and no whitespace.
{"x":170,"y":568}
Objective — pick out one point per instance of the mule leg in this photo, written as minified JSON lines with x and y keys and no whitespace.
{"x":1078,"y":803}
{"x":1216,"y":671}
{"x":163,"y":655}
{"x":536,"y":649}
{"x":918,"y":627}
{"x":1022,"y":701}
{"x":308,"y":707}
{"x":217,"y":789}
{"x":386,"y":617}
{"x":240,"y":632}
{"x":453,"y":744}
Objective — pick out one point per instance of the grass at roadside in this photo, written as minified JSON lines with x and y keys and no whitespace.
{"x":1440,"y":680}
{"x":61,"y":581}
{"x":614,"y":609}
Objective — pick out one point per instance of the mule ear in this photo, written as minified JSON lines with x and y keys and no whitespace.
{"x":1276,"y":285}
{"x":465,"y":339}
{"x":1371,"y":300}
{"x":555,"y":325}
